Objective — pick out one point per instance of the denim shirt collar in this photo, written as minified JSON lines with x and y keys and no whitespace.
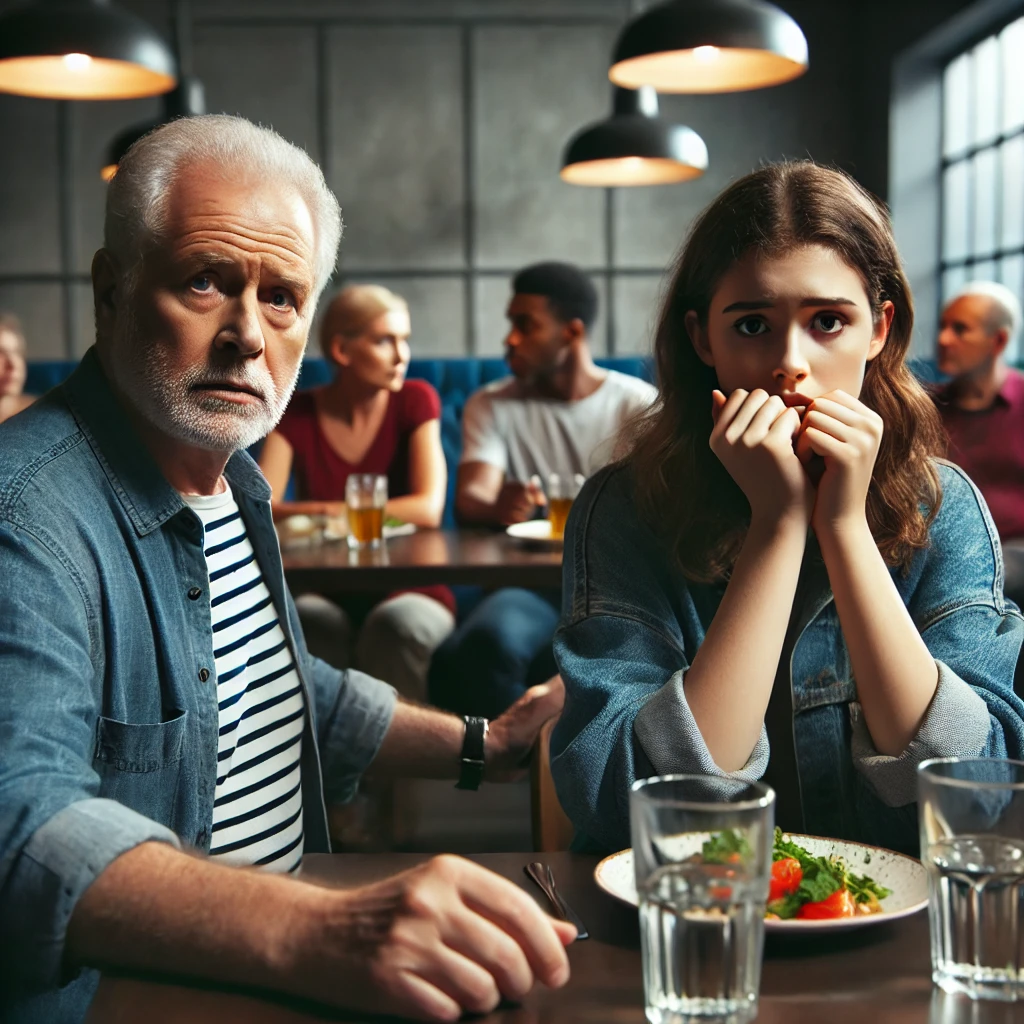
{"x":144,"y":492}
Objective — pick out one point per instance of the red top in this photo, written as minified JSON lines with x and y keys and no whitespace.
{"x":320,"y":472}
{"x":989,"y":446}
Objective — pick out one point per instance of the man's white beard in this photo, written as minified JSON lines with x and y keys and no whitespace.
{"x":172,"y":405}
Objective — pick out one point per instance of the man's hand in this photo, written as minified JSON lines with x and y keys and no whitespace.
{"x":512,"y":735}
{"x":443,"y":939}
{"x":517,"y":502}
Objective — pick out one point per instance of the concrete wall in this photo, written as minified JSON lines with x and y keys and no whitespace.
{"x":440,"y":126}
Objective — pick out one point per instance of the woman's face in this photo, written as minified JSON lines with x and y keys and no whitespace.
{"x":797,"y":325}
{"x":380,"y":355}
{"x":12,"y":364}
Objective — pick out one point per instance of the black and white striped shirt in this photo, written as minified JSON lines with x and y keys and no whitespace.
{"x":257,"y":807}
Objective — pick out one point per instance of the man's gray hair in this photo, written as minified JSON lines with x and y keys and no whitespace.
{"x":1004,"y":310}
{"x":137,"y":195}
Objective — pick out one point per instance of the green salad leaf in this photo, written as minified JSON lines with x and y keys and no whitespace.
{"x":725,"y":847}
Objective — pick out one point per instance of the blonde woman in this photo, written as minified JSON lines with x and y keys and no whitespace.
{"x":12,"y":368}
{"x":368,"y":419}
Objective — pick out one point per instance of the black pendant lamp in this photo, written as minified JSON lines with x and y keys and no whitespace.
{"x":186,"y":99}
{"x":699,"y":46}
{"x":82,"y":50}
{"x":634,"y":146}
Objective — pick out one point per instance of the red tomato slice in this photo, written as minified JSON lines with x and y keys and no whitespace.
{"x":786,"y":877}
{"x":839,"y":904}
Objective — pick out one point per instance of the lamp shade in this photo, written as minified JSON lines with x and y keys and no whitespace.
{"x":634,"y":147}
{"x":186,"y":99}
{"x":82,"y":50}
{"x":709,"y":46}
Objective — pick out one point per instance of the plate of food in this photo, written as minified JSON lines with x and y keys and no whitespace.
{"x":534,"y":531}
{"x":816,"y":885}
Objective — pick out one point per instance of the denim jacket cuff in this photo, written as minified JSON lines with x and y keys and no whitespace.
{"x":60,"y":861}
{"x":666,"y":730}
{"x":956,"y":724}
{"x":352,"y":736}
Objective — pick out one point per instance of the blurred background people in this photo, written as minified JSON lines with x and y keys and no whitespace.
{"x":982,"y":408}
{"x":12,"y":367}
{"x":368,"y":419}
{"x":558,"y":413}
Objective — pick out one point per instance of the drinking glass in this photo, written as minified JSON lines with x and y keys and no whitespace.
{"x":702,"y":850}
{"x":366,"y":494}
{"x":562,"y":491}
{"x":971,"y":813}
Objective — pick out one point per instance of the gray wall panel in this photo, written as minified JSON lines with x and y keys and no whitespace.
{"x":637,"y":304}
{"x":396,"y":144}
{"x":39,"y":307}
{"x":535,"y":86}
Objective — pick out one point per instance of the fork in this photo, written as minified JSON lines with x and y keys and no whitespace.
{"x":541,"y":873}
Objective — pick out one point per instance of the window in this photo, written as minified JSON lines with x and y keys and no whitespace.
{"x":983,"y":164}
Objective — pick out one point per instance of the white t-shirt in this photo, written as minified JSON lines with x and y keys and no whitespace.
{"x":257,"y":804}
{"x":527,"y":436}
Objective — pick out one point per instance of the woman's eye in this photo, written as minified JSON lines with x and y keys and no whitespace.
{"x":828,"y":323}
{"x":751,"y":327}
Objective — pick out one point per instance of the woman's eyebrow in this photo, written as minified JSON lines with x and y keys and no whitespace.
{"x":770,"y":303}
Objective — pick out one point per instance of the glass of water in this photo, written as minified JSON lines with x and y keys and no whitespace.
{"x":702,"y":849}
{"x":972,"y":843}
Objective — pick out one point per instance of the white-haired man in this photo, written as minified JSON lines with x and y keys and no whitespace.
{"x":161,"y":722}
{"x":982,"y":408}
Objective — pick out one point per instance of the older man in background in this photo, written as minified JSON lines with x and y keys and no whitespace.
{"x":982,"y":408}
{"x":161,"y":722}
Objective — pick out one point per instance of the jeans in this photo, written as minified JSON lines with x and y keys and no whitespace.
{"x":1013,"y":588}
{"x":502,"y":648}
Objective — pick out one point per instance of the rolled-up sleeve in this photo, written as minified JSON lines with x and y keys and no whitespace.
{"x":56,"y":835}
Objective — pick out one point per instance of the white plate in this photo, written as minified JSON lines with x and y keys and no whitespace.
{"x":536,"y":531}
{"x":904,"y":875}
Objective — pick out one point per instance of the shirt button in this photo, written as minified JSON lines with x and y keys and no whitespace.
{"x":194,"y":594}
{"x":204,"y":674}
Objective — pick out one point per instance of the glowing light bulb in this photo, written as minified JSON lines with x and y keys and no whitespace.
{"x":77,"y":61}
{"x":706,"y":54}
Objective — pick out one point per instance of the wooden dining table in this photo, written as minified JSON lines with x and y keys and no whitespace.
{"x":486,"y":558}
{"x":878,"y":974}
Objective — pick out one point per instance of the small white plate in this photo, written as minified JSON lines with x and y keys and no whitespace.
{"x":904,"y":875}
{"x":534,"y":531}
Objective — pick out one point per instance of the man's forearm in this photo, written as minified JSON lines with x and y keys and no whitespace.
{"x":420,"y":742}
{"x":473,"y":511}
{"x":155,"y":908}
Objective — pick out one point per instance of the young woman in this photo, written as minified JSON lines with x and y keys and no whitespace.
{"x":12,"y":368}
{"x":368,"y":419}
{"x":782,"y":580}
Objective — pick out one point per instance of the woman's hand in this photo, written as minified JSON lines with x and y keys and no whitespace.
{"x":846,"y":434}
{"x":753,"y":437}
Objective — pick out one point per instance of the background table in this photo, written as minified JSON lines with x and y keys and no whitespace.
{"x":481,"y":558}
{"x":878,"y":975}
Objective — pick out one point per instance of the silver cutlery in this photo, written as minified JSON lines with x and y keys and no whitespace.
{"x":542,"y":875}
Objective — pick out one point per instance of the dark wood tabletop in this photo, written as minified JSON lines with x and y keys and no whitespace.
{"x":877,"y":975}
{"x":481,"y":557}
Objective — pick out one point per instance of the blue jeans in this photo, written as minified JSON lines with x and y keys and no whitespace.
{"x":502,"y":648}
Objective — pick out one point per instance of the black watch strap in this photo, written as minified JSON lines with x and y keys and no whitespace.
{"x":471,"y":773}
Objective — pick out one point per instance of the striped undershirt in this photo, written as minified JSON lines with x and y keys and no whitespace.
{"x":257,"y":806}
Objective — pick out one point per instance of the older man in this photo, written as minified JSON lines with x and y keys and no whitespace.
{"x":161,"y":722}
{"x":982,"y":408}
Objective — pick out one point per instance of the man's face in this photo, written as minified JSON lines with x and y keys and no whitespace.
{"x":537,"y":341}
{"x":967,"y":339}
{"x":209,"y":344}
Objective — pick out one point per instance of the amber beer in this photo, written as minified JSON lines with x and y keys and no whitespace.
{"x":366,"y":525}
{"x":558,"y":513}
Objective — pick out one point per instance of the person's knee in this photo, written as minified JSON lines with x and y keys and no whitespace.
{"x":507,"y":629}
{"x":410,"y":621}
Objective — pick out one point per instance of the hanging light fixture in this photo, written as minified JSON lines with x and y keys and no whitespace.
{"x":709,"y":46}
{"x":186,"y":99}
{"x":634,"y":146}
{"x":82,"y":50}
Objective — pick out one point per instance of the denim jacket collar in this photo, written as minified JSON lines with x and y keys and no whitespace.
{"x":144,"y":492}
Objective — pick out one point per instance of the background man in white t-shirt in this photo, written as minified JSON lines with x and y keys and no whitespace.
{"x":558,"y":413}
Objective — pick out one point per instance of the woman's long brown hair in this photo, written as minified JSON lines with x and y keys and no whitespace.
{"x":682,"y":489}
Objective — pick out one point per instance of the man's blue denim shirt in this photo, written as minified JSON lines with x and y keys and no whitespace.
{"x":108,"y":731}
{"x":631,"y":625}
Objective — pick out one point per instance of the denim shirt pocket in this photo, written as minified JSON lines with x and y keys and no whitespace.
{"x":822,"y":673}
{"x":139,"y":763}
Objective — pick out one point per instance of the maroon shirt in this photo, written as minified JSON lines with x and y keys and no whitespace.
{"x":320,"y":472}
{"x":989,"y":445}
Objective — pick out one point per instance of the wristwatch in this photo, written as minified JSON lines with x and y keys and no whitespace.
{"x":471,"y":773}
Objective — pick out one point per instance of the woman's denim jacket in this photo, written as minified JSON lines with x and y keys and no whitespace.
{"x":631,"y":625}
{"x":108,"y":723}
